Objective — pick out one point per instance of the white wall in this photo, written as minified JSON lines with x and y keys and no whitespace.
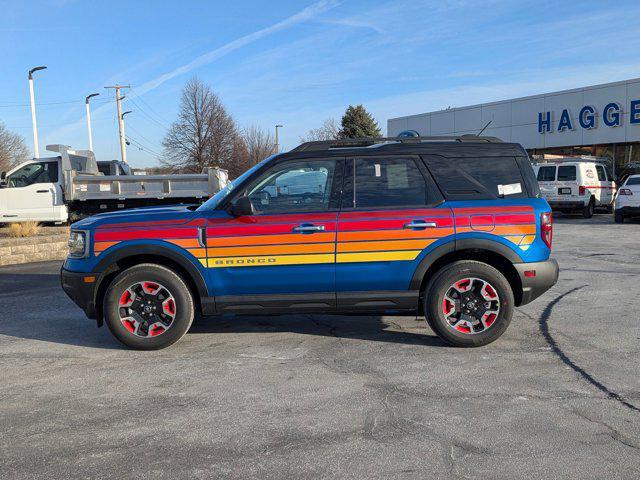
{"x":517,"y":120}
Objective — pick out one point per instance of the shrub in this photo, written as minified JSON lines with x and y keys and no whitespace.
{"x":26,"y":229}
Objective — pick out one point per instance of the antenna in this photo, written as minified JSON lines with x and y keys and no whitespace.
{"x":484,"y":128}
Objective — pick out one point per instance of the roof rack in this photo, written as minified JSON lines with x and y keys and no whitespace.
{"x":369,"y":141}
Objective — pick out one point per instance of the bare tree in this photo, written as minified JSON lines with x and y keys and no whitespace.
{"x":329,"y":130}
{"x":13,"y":150}
{"x":204,"y":135}
{"x":260,"y":143}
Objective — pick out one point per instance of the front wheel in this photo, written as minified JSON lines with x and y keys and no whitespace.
{"x":148,"y":307}
{"x":468,"y":304}
{"x":587,"y":211}
{"x":618,"y":218}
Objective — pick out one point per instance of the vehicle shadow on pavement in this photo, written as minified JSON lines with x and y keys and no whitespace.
{"x":34,"y":307}
{"x":370,"y":328}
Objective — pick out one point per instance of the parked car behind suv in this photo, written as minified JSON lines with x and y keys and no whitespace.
{"x":627,"y":202}
{"x":576,"y":185}
{"x":452,"y":228}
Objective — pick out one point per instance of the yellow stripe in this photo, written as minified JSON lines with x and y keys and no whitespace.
{"x":377,"y":256}
{"x":514,"y":238}
{"x":528,"y":240}
{"x":267,"y":261}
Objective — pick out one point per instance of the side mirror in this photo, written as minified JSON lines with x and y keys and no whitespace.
{"x":241,"y":207}
{"x":3,"y":179}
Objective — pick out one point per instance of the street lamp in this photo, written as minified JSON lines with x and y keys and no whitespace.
{"x":123,"y":142}
{"x":36,"y":150}
{"x":86,"y":99}
{"x":277,"y":144}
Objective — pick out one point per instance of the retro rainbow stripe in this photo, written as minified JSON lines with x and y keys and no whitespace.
{"x":350,"y":237}
{"x":516,"y":224}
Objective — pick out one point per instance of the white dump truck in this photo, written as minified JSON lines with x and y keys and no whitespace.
{"x":72,"y":185}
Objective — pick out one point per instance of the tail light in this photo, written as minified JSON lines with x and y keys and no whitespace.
{"x":582,"y":190}
{"x":625,"y":191}
{"x":546,"y":228}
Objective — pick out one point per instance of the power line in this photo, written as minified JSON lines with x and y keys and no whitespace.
{"x":156,"y":114}
{"x":142,"y":110}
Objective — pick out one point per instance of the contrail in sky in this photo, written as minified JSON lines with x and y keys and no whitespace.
{"x":303,"y":15}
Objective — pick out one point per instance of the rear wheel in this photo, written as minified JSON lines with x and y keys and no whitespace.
{"x":587,"y":211}
{"x":148,"y":307}
{"x":618,"y":217}
{"x":468,"y":304}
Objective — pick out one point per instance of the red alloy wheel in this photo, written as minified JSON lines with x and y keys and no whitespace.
{"x":471,"y":306}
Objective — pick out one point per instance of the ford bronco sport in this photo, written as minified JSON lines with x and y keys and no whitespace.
{"x":452,"y":228}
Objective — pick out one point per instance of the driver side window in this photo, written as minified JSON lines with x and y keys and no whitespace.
{"x":300,"y":186}
{"x":41,"y":172}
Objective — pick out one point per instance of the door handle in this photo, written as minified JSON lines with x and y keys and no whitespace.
{"x":308,"y":228}
{"x":42,"y":191}
{"x":418,"y":224}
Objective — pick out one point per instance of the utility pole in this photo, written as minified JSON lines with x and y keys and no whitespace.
{"x":36,"y":150}
{"x":86,"y":99}
{"x":123,"y":146}
{"x":277,"y":145}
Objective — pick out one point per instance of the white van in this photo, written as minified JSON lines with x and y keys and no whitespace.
{"x":576,"y":184}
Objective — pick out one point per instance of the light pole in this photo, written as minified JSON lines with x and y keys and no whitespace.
{"x":277,"y":146}
{"x":123,"y":138}
{"x":36,"y":150}
{"x":86,"y":99}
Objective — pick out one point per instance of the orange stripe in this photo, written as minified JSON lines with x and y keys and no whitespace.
{"x":198,"y":252}
{"x":394,"y":234}
{"x":504,"y":230}
{"x":99,"y":247}
{"x":271,"y":250}
{"x":271,"y":239}
{"x":184,"y":242}
{"x":384,"y":246}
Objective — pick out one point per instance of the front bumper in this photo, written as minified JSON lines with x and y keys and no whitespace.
{"x":78,"y":290}
{"x":546,"y":276}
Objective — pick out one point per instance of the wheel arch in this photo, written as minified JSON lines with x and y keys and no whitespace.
{"x":492,"y":253}
{"x":114,"y":263}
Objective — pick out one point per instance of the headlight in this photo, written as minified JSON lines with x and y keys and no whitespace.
{"x":77,"y":244}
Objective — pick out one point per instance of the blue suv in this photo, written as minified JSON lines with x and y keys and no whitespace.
{"x":452,"y":228}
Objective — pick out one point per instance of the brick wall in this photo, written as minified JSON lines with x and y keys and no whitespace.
{"x":33,"y":249}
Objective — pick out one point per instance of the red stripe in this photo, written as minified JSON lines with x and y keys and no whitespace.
{"x":146,"y":234}
{"x":388,"y":224}
{"x":263,"y":229}
{"x":514,"y":219}
{"x":149,"y":224}
{"x":436,"y":212}
{"x":268,"y":219}
{"x":489,"y":210}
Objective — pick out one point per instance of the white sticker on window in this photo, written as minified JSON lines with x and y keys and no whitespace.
{"x":510,"y":189}
{"x":378,"y":170}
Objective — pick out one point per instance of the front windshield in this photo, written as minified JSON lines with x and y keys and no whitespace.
{"x":214,"y":201}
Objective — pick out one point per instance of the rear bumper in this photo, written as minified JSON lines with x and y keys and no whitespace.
{"x":568,"y":205}
{"x":630,"y":211}
{"x":546,"y":276}
{"x":79,"y":291}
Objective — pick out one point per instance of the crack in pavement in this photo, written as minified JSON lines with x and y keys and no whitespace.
{"x":611,"y":431}
{"x":544,"y":329}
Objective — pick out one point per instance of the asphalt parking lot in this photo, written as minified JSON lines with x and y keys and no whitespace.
{"x":337,"y":397}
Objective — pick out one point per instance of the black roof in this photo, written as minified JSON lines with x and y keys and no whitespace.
{"x":459,"y":146}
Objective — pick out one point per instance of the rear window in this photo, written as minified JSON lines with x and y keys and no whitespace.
{"x":547,"y":174}
{"x":633,"y":181}
{"x":566,"y":173}
{"x":478,"y":178}
{"x":601,"y":175}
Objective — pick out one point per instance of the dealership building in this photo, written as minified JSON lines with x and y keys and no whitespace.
{"x":601,"y":120}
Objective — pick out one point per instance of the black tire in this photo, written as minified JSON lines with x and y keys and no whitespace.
{"x":618,"y":218}
{"x":172,"y":282}
{"x":587,"y":211}
{"x":441,"y":283}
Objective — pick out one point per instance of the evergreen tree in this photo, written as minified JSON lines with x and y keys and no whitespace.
{"x":357,"y":122}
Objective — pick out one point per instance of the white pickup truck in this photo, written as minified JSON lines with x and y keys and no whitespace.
{"x":71,"y":186}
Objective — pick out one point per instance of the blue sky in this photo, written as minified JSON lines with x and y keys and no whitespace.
{"x":295,"y":62}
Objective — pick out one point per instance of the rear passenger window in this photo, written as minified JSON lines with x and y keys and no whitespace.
{"x":388,"y":182}
{"x":566,"y":173}
{"x":601,"y":174}
{"x":547,"y":174}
